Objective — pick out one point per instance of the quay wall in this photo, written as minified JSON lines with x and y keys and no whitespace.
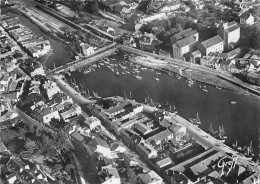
{"x":225,"y":77}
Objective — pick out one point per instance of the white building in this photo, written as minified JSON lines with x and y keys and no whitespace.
{"x":47,"y":115}
{"x":38,"y":70}
{"x":214,"y":44}
{"x":73,"y":111}
{"x":230,"y":33}
{"x":87,"y":49}
{"x":149,"y":178}
{"x":247,"y":19}
{"x":111,"y":173}
{"x":51,"y":89}
{"x":184,"y":42}
{"x":92,"y":122}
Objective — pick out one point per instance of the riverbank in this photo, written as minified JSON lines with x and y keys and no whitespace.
{"x":203,"y":77}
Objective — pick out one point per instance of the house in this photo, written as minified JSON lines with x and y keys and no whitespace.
{"x":87,"y":49}
{"x":92,"y":122}
{"x":230,"y":55}
{"x":230,"y":33}
{"x":148,"y":41}
{"x":183,"y":42}
{"x":38,"y":70}
{"x":146,"y":150}
{"x":98,"y":145}
{"x":247,"y":19}
{"x":141,"y":128}
{"x":149,"y":178}
{"x":5,"y":80}
{"x":195,"y":56}
{"x":214,"y":44}
{"x":109,"y":175}
{"x":76,"y":136}
{"x":47,"y":115}
{"x":8,"y":116}
{"x":170,"y":7}
{"x":117,"y":148}
{"x":159,"y":137}
{"x":183,"y":46}
{"x":73,"y":111}
{"x":51,"y":88}
{"x":26,"y":171}
{"x":163,"y":163}
{"x":179,"y":35}
{"x":178,"y":131}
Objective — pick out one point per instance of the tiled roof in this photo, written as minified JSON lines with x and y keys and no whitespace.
{"x":160,"y":136}
{"x":76,"y":135}
{"x":212,"y":41}
{"x":180,"y":34}
{"x":232,"y":28}
{"x":92,"y":145}
{"x":186,"y":41}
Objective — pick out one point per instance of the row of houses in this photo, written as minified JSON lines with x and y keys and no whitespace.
{"x":34,"y":44}
{"x":151,"y":136}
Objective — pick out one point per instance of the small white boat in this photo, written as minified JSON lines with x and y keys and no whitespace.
{"x":233,"y":102}
{"x":138,"y":77}
{"x":204,"y":90}
{"x":156,"y":78}
{"x":218,"y":87}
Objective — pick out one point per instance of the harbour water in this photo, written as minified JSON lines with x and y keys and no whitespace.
{"x":241,"y":121}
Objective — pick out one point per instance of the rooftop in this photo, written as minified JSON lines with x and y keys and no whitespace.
{"x":186,"y":41}
{"x":212,"y":41}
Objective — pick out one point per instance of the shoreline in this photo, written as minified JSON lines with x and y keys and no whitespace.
{"x":216,"y":81}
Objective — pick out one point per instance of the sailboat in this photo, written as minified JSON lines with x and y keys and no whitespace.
{"x":156,"y":78}
{"x":95,"y":94}
{"x":169,"y":72}
{"x":137,"y":76}
{"x":117,"y":72}
{"x":218,"y":87}
{"x":130,"y":94}
{"x":223,"y":132}
{"x":127,"y":71}
{"x":198,"y":119}
{"x":204,"y":89}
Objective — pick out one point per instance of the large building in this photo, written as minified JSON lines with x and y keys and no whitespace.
{"x":230,"y":32}
{"x":184,"y":42}
{"x":214,"y":44}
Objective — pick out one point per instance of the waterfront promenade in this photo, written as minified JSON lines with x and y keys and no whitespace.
{"x":66,"y":88}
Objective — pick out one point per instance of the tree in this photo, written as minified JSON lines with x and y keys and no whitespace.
{"x":58,"y":124}
{"x":68,"y":167}
{"x":8,"y":135}
{"x":56,"y":167}
{"x":30,"y":146}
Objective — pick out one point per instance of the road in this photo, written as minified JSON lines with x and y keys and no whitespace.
{"x":66,"y":88}
{"x":208,"y":141}
{"x":111,"y":16}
